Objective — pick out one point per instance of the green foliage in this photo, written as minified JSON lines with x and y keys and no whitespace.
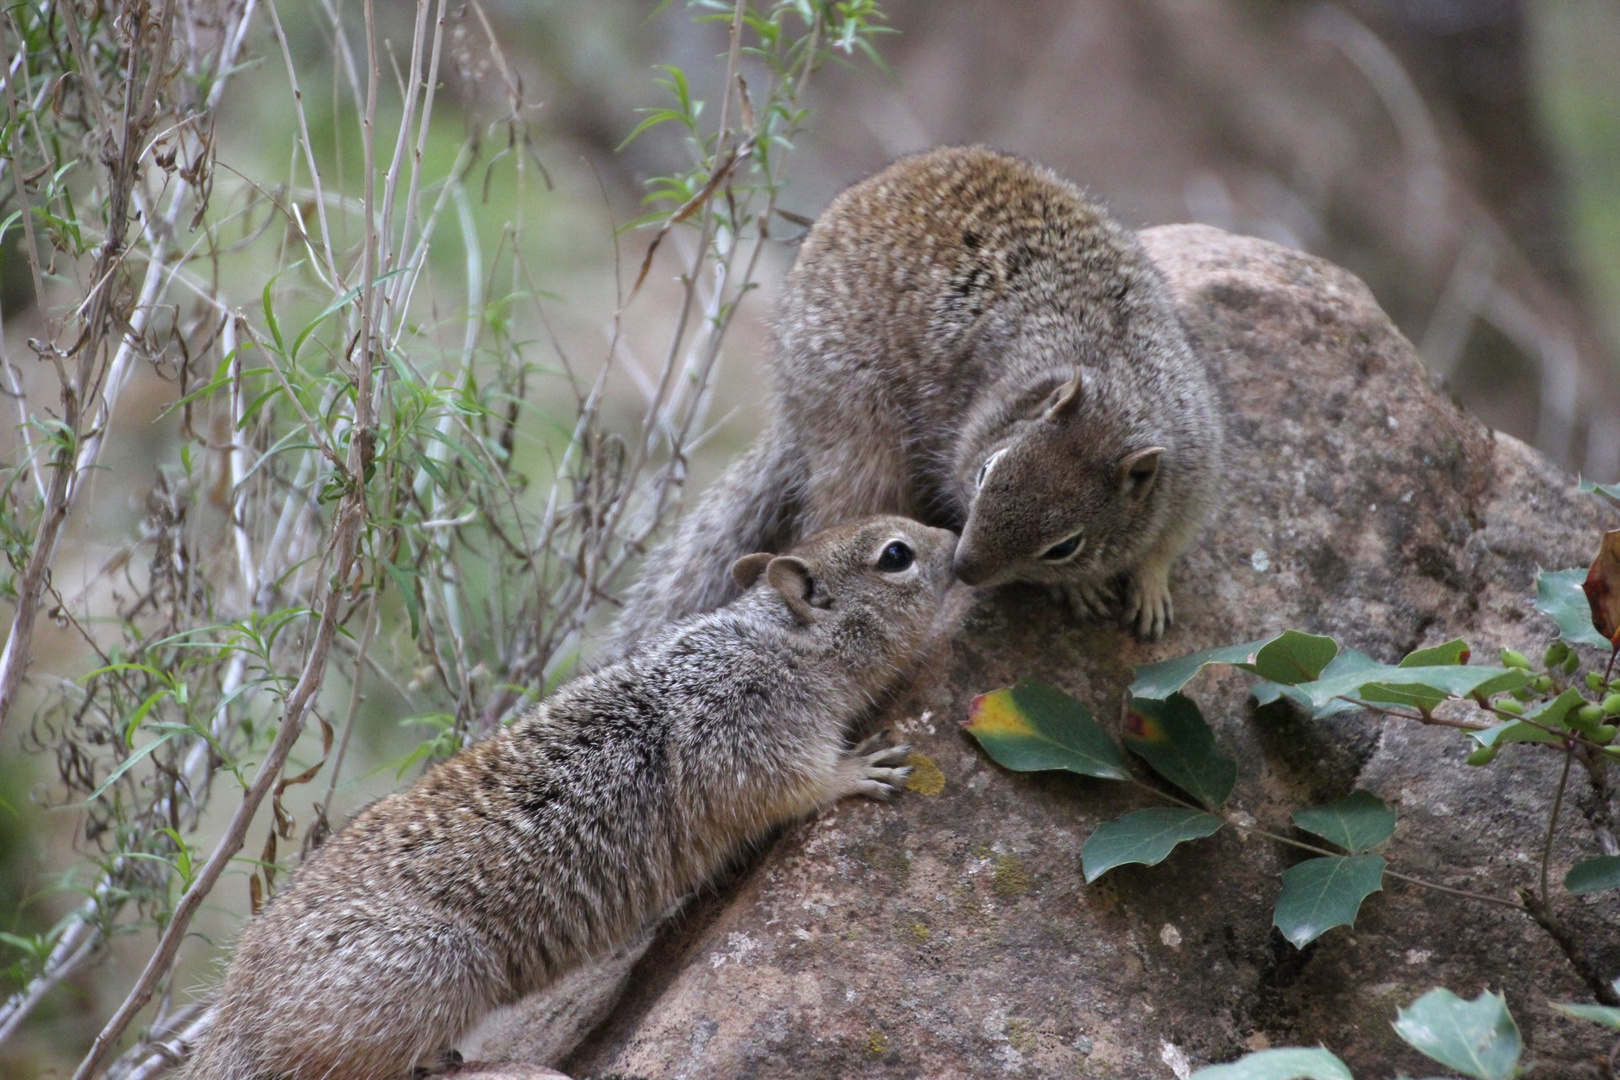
{"x":1594,"y":875}
{"x":1144,"y":836}
{"x":1358,"y":822}
{"x":1558,"y":593}
{"x":1478,"y":1038}
{"x":1033,"y":726}
{"x":1172,"y":737}
{"x":1560,"y":704}
{"x":1289,"y":1063}
{"x":1319,"y":894}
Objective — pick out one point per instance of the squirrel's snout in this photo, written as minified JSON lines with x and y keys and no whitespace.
{"x":968,"y":570}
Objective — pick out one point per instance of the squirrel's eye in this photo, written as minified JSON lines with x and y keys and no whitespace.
{"x":896,"y":556}
{"x":984,"y":470}
{"x":1068,"y":549}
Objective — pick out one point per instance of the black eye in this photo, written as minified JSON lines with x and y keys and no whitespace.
{"x":1059,"y":552}
{"x":896,"y":557}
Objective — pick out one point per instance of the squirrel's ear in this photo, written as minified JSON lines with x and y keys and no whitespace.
{"x":1138,"y":470}
{"x":746,"y":570}
{"x":790,"y":576}
{"x":1066,"y":398}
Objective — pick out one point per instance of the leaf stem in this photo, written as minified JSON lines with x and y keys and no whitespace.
{"x":1552,"y":820}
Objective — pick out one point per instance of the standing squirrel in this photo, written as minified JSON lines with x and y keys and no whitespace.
{"x":557,"y":840}
{"x":966,"y":340}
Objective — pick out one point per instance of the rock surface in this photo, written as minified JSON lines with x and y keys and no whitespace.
{"x":951,"y":934}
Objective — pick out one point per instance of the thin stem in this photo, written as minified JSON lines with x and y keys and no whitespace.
{"x":1552,"y":820}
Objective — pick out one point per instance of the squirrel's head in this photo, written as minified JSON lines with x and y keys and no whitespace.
{"x":1065,"y":492}
{"x":873,"y":586}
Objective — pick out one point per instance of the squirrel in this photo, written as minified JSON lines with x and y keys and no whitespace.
{"x":557,"y":840}
{"x":966,"y":340}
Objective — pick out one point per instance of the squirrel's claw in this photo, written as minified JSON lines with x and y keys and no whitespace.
{"x":1148,"y":609}
{"x":1089,"y":599}
{"x":879,"y":771}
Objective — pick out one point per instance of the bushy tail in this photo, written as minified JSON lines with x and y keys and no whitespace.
{"x":754,"y":506}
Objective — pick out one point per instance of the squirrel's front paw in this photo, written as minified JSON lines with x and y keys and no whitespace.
{"x":1148,"y":610}
{"x":878,"y":771}
{"x":1088,"y":599}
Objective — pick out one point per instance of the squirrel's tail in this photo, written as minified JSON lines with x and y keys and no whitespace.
{"x":754,"y":506}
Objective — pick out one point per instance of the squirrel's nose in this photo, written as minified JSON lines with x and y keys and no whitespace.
{"x":968,"y":570}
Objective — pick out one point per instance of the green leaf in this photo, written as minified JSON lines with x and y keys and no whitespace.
{"x":1559,"y":594}
{"x":1033,"y":726}
{"x":1287,"y":658}
{"x":1607,"y":1015}
{"x":1172,"y":737}
{"x":1455,"y":651}
{"x":1159,"y":681}
{"x":1319,"y":894}
{"x":1348,"y":661}
{"x":1599,"y":874}
{"x":1416,"y":686}
{"x":1477,"y":1038}
{"x":1512,"y":731}
{"x":1294,"y":657}
{"x":1610,"y":492}
{"x":1358,"y":822}
{"x":1285,"y":1063}
{"x":1144,"y":836}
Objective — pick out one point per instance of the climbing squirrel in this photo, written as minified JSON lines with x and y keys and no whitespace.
{"x":557,"y":840}
{"x":966,"y":340}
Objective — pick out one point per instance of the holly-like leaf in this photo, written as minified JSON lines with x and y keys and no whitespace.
{"x":1358,"y":822}
{"x":1602,"y":588}
{"x":1143,"y":836}
{"x":1319,"y":894}
{"x":1477,"y":1038}
{"x":1611,"y":492}
{"x":1172,"y":737}
{"x":1288,"y":658}
{"x":1594,"y":875}
{"x":1560,"y":593}
{"x":1033,"y":726}
{"x":1455,"y":651}
{"x":1284,"y":1063}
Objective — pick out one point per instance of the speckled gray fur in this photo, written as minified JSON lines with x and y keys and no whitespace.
{"x":557,"y":840}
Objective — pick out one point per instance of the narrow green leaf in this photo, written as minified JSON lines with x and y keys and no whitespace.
{"x":1416,"y":685}
{"x":1144,"y":836}
{"x":1455,"y":651}
{"x":1477,"y":1038}
{"x":1607,"y":1015}
{"x":1172,"y":737}
{"x":1033,"y":726}
{"x":1159,"y":681}
{"x":1559,"y":594}
{"x":1358,"y":822}
{"x":1284,"y":1063}
{"x":1512,"y":731}
{"x":1319,"y":894}
{"x":1598,"y":874}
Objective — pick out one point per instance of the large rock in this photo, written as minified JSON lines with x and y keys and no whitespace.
{"x":951,"y":934}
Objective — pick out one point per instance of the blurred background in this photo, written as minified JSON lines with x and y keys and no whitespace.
{"x":1461,"y":156}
